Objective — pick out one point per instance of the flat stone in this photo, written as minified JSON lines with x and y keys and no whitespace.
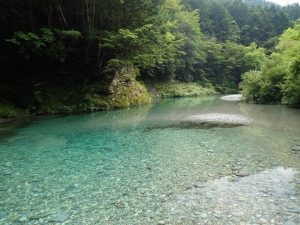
{"x":242,"y":173}
{"x":232,"y":179}
{"x":289,"y":223}
{"x":226,"y":172}
{"x":297,"y":181}
{"x":238,"y":213}
{"x":209,"y":195}
{"x":161,"y":222}
{"x":295,"y":210}
{"x":204,"y":215}
{"x":263,"y":220}
{"x":198,"y":186}
{"x":7,"y":172}
{"x":38,"y":215}
{"x":233,"y":98}
{"x":60,"y":217}
{"x":23,"y":219}
{"x":296,"y":148}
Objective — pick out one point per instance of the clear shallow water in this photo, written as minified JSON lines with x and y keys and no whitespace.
{"x":124,"y":167}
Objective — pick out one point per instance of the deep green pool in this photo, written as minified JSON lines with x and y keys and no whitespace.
{"x":128,"y":167}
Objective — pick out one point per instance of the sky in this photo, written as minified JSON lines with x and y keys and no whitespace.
{"x":285,"y":2}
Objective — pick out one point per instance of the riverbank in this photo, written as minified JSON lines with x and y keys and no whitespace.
{"x":98,"y":97}
{"x":9,"y":113}
{"x":169,"y":90}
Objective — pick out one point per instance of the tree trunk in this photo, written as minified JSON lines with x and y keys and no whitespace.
{"x":50,"y":15}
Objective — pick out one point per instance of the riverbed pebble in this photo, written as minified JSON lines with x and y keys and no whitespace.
{"x":60,"y":217}
{"x":289,"y":223}
{"x":296,"y":148}
{"x":246,"y":201}
{"x":23,"y":219}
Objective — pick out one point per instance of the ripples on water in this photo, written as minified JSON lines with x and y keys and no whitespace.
{"x":110,"y":168}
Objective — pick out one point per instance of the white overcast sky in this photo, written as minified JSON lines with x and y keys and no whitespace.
{"x":285,"y":2}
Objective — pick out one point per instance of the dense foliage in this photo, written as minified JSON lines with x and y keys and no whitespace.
{"x":59,"y":52}
{"x":278,"y":81}
{"x":244,"y":21}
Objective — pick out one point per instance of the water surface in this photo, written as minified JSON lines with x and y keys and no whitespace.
{"x":131,"y":167}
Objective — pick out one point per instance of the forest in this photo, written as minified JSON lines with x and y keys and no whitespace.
{"x":149,"y":112}
{"x":73,"y":56}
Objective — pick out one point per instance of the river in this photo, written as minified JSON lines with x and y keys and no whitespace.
{"x":139,"y":166}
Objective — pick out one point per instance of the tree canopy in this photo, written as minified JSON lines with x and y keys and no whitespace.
{"x":84,"y":42}
{"x":278,"y":80}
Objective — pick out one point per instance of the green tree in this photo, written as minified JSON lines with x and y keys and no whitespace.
{"x":278,"y":80}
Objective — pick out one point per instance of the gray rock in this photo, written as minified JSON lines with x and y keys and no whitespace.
{"x":289,"y":223}
{"x":38,"y":215}
{"x":161,"y":222}
{"x":296,"y":148}
{"x":23,"y":219}
{"x":60,"y":217}
{"x":242,"y":173}
{"x":295,"y":210}
{"x":297,"y":181}
{"x":209,"y":195}
{"x":232,"y":179}
{"x":204,"y":215}
{"x":238,"y":213}
{"x":263,"y":220}
{"x":226,"y":172}
{"x":7,"y":172}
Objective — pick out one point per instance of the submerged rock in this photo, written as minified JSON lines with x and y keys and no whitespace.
{"x":204,"y":215}
{"x":233,"y":98}
{"x":242,"y":173}
{"x":23,"y":218}
{"x":236,"y":202}
{"x":60,"y":217}
{"x":216,"y":120}
{"x":226,"y":172}
{"x":289,"y":223}
{"x":296,"y":148}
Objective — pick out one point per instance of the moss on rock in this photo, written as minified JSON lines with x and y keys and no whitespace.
{"x":8,"y":113}
{"x":124,"y":96}
{"x":123,"y":91}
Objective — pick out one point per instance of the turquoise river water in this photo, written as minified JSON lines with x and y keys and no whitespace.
{"x":132,"y":167}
